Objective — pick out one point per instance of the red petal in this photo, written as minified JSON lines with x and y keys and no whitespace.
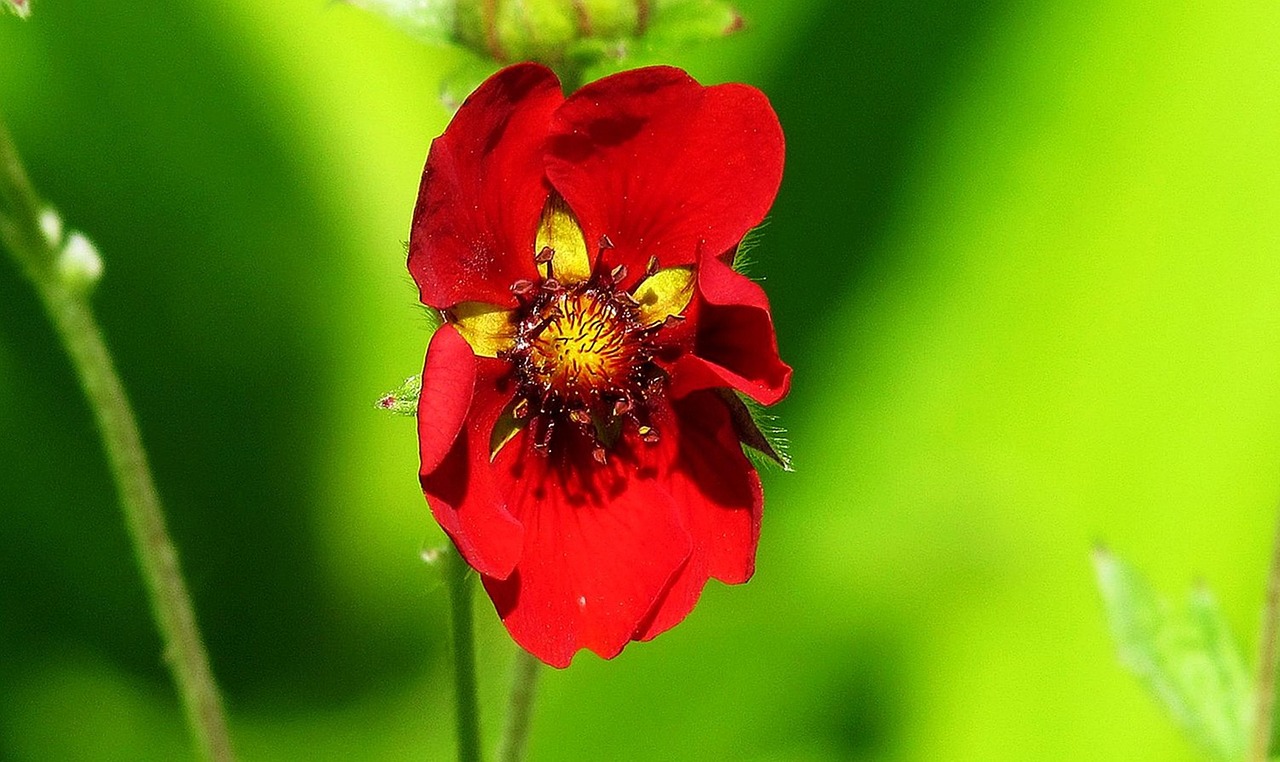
{"x":664,"y":166}
{"x":735,"y":345}
{"x":720,"y":500}
{"x":462,"y":397}
{"x":483,"y":190}
{"x":448,"y":384}
{"x":601,"y":544}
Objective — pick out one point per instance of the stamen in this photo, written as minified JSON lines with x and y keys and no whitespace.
{"x":584,"y":361}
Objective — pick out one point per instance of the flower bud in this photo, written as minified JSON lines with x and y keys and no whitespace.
{"x":20,"y":7}
{"x":404,"y":400}
{"x":51,"y":227}
{"x":79,"y":264}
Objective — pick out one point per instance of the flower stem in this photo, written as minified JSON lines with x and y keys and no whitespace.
{"x":458,"y":577}
{"x":524,"y":681}
{"x":74,"y":322}
{"x":1264,"y":701}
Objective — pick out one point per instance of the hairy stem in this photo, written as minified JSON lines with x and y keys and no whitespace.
{"x":524,"y":682}
{"x":458,"y":577}
{"x":73,"y":320}
{"x":1264,"y":702}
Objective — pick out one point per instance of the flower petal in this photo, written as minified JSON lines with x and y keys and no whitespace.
{"x":665,"y":293}
{"x":487,"y":328}
{"x":720,"y":500}
{"x":448,"y":384}
{"x":664,"y":167}
{"x":483,"y":190}
{"x":601,"y":544}
{"x":462,"y":397}
{"x":735,"y":344}
{"x":559,"y":231}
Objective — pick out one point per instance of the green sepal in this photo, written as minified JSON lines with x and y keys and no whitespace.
{"x":744,"y":259}
{"x":1186,"y":657}
{"x":764,"y":440}
{"x":402,"y":400}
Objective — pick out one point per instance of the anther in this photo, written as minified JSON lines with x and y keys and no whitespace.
{"x":522,"y":287}
{"x":552,"y":285}
{"x":605,"y":242}
{"x":598,"y":454}
{"x":544,"y":256}
{"x":619,"y":274}
{"x":652,"y":267}
{"x":580,"y":416}
{"x":622,"y":406}
{"x":648,"y":435}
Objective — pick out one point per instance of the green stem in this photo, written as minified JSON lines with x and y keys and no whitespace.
{"x":1264,"y":702}
{"x":73,"y":319}
{"x":524,"y":681}
{"x":458,"y":576}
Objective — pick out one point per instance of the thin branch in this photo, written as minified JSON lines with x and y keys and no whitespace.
{"x":524,"y":682}
{"x":157,"y":557}
{"x":458,"y":576}
{"x":1264,"y":703}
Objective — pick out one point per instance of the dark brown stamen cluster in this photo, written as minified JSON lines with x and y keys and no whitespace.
{"x":584,"y":360}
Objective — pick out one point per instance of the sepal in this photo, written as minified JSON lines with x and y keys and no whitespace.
{"x":763,"y":438}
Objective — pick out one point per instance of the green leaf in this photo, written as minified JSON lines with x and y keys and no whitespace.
{"x":1185,"y":656}
{"x":433,"y":21}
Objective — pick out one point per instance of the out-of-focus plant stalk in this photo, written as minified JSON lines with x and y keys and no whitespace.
{"x":458,"y":578}
{"x":1264,"y":704}
{"x":524,"y":682}
{"x":44,"y":258}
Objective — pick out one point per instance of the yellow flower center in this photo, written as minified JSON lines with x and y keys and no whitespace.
{"x":585,"y":349}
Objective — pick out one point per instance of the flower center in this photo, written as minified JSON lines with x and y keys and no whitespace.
{"x":583,"y":359}
{"x":585,"y":349}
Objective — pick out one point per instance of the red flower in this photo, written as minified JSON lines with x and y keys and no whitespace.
{"x":577,"y":444}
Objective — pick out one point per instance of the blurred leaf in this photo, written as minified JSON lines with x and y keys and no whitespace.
{"x":676,"y":23}
{"x":1186,"y":658}
{"x":463,"y":81}
{"x":433,"y":21}
{"x":568,"y":35}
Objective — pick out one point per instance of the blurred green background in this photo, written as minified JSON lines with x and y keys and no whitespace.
{"x":1024,"y":262}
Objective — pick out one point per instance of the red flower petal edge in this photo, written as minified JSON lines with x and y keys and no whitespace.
{"x":574,"y":444}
